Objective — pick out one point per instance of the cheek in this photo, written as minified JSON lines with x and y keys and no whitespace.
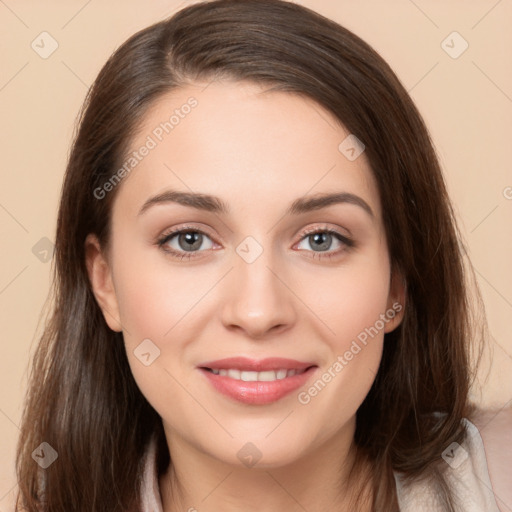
{"x":154,"y":300}
{"x":153,"y":308}
{"x":350,"y":299}
{"x":154,"y":296}
{"x":351,"y":304}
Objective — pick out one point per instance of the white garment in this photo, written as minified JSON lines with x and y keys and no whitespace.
{"x":468,"y":477}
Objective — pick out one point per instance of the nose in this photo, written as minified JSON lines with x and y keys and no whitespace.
{"x":259,"y":301}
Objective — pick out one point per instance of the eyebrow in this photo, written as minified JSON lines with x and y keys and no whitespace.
{"x":214,"y":204}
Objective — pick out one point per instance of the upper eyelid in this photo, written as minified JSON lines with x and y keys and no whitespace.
{"x":185,"y":229}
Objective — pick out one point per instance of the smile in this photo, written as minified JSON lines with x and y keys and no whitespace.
{"x":257,"y":382}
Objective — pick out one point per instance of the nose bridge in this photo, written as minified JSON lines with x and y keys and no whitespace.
{"x":258,"y":301}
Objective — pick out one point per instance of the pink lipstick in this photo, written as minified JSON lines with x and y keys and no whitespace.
{"x":257,"y":382}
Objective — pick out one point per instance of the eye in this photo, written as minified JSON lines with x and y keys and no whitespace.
{"x":185,"y":242}
{"x":322,"y":239}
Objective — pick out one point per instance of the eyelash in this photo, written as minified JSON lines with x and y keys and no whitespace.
{"x":349,"y":243}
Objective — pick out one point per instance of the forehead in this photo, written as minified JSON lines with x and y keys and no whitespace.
{"x":242,"y":142}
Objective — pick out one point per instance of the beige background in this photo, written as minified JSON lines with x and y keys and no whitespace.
{"x":466,"y":103}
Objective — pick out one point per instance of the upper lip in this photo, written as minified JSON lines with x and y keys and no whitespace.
{"x":256,"y":365}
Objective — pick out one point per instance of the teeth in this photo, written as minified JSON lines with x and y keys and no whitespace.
{"x":249,"y":376}
{"x":234,"y":374}
{"x":265,"y":376}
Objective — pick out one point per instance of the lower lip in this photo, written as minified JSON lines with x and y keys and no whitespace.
{"x":257,"y":392}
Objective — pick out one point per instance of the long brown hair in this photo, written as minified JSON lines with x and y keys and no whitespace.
{"x":83,"y":400}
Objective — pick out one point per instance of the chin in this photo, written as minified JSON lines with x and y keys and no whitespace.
{"x":262,"y":453}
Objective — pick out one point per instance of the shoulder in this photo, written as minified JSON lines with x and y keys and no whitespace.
{"x":495,"y":429}
{"x":475,"y":471}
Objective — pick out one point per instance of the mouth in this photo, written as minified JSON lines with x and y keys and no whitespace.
{"x":257,"y":382}
{"x":249,"y":376}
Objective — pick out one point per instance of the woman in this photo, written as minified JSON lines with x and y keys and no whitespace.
{"x":260,"y":293}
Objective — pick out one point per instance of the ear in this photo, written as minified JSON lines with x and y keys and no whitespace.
{"x":396,"y":300}
{"x":100,"y":277}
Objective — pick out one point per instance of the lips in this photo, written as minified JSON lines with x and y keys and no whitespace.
{"x":244,"y":363}
{"x":257,"y":382}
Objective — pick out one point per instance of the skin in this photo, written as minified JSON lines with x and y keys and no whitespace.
{"x":258,"y":151}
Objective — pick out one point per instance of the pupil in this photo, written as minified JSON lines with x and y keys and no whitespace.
{"x":192,"y":239}
{"x":323,"y":238}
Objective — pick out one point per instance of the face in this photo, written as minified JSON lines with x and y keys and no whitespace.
{"x":255,"y":267}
